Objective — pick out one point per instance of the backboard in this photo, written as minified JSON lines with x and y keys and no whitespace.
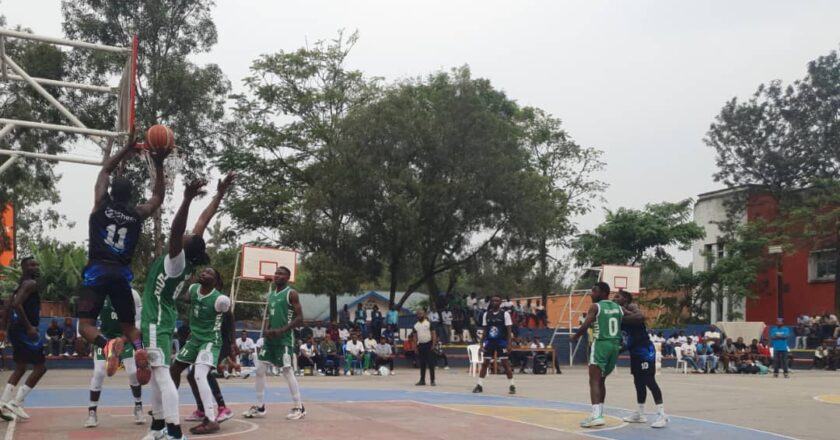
{"x":260,"y":262}
{"x":622,"y":277}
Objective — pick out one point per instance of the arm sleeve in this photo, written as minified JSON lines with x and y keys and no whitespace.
{"x":222,"y":304}
{"x":174,"y":267}
{"x":138,"y":307}
{"x":508,"y":321}
{"x":484,"y":319}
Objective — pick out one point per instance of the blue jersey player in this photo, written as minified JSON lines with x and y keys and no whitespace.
{"x":495,"y":341}
{"x":114,"y":229}
{"x":642,"y":363}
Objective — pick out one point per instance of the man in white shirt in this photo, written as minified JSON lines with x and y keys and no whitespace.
{"x":446,"y":317}
{"x":307,"y":354}
{"x":246,"y":346}
{"x":354,"y":350}
{"x":712,"y":335}
{"x":343,"y":334}
{"x":689,"y":354}
{"x":425,"y":342}
{"x":319,"y":331}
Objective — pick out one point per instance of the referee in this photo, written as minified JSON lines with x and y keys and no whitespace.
{"x":425,"y":343}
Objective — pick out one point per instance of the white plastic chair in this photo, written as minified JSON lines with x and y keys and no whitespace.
{"x":476,"y":358}
{"x":680,"y":360}
{"x":658,"y":348}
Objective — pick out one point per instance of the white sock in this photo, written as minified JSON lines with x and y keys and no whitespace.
{"x":260,"y":383}
{"x":204,"y":391}
{"x":93,"y":404}
{"x":157,"y":401}
{"x":600,"y":410}
{"x":481,"y":381}
{"x":595,"y":408}
{"x":8,"y":392}
{"x":660,"y":409}
{"x":511,"y":381}
{"x":138,"y":400}
{"x":641,"y":408}
{"x":294,"y":388}
{"x":21,"y":394}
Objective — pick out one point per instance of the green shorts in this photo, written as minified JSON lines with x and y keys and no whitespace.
{"x":278,"y":355}
{"x":195,"y":352}
{"x":604,"y":355}
{"x":158,"y":345}
{"x":128,"y":352}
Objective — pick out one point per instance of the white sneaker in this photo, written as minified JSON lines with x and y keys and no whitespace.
{"x":636,"y":417}
{"x":446,"y":367}
{"x":660,"y":422}
{"x":254,"y":412}
{"x":139,"y":417}
{"x":155,"y":435}
{"x":17,"y":410}
{"x":296,"y":414}
{"x":393,"y":373}
{"x":347,"y":373}
{"x":92,"y":421}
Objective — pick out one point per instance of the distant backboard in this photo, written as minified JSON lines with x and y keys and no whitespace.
{"x":622,"y":277}
{"x":260,"y":262}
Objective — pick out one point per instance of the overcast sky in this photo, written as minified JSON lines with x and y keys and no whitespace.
{"x":639,"y":80}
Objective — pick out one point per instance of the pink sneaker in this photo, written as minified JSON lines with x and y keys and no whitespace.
{"x":196,"y":416}
{"x":224,"y":414}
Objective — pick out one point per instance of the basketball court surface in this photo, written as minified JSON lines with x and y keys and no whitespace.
{"x":547,"y":407}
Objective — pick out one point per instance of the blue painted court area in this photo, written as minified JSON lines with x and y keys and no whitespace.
{"x":680,"y":427}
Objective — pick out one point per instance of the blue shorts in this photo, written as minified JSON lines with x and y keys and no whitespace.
{"x":497,"y":347}
{"x":643,"y":359}
{"x":102,"y":280}
{"x":25,"y":350}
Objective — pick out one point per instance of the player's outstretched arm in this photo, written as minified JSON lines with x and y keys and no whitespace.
{"x":591,"y":315}
{"x":211,"y":209}
{"x":100,"y":190}
{"x":146,"y":210}
{"x":633,"y":314}
{"x":179,"y":222}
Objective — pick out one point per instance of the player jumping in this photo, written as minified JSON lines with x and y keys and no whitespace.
{"x":642,"y":362}
{"x":110,"y":328}
{"x":284,"y":315}
{"x":23,"y":317}
{"x":114,"y":230}
{"x":495,"y":340}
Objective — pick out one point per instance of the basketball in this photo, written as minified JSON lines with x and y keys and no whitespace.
{"x":160,"y":136}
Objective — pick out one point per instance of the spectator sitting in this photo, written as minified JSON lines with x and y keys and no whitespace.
{"x":702,"y":349}
{"x":747,"y":366}
{"x":440,"y":354}
{"x":245,"y":345}
{"x":344,"y":334}
{"x":319,"y":332}
{"x":307,"y":355}
{"x":741,"y":348}
{"x":370,"y":351}
{"x":821,"y":356}
{"x":68,"y":339}
{"x":332,"y":332}
{"x":384,"y":353}
{"x":354,"y":350}
{"x":681,"y":338}
{"x":712,"y":335}
{"x":668,"y":348}
{"x":53,"y":338}
{"x":764,"y":353}
{"x":328,"y":352}
{"x":729,"y":355}
{"x":689,"y":355}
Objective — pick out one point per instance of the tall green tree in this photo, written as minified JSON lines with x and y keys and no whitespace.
{"x":171,"y":88}
{"x":282,"y":143}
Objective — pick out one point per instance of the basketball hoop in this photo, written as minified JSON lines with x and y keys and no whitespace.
{"x":125,"y":92}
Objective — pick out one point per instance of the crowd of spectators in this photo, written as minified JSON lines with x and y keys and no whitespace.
{"x":811,"y":331}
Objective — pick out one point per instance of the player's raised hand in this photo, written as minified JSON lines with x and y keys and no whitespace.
{"x":226,"y":183}
{"x":195,"y":188}
{"x":159,"y":154}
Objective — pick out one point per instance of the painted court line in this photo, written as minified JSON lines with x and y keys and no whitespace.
{"x":10,"y":430}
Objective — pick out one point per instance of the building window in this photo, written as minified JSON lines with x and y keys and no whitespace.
{"x":822,"y":265}
{"x":708,"y":252}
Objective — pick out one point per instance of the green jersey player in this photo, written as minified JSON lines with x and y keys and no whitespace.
{"x":605,"y":317}
{"x":110,"y":328}
{"x":284,"y":314}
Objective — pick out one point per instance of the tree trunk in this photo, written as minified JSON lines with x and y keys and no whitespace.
{"x":837,"y":267}
{"x":333,"y":307}
{"x":542,"y":275}
{"x":393,"y":268}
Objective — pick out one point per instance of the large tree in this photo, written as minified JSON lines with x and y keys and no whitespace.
{"x":282,"y":143}
{"x":171,"y":88}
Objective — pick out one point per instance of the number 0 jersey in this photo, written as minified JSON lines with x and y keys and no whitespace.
{"x":113,"y":233}
{"x":607,"y":325}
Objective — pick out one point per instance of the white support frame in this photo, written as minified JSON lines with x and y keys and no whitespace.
{"x":573,"y":348}
{"x":103,"y":138}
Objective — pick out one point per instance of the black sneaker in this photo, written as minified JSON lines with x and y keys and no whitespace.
{"x":512,"y":389}
{"x":420,"y":384}
{"x":775,"y":374}
{"x":433,"y":384}
{"x":787,"y":376}
{"x":478,"y":389}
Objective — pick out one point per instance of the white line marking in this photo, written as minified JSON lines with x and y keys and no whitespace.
{"x":10,"y":430}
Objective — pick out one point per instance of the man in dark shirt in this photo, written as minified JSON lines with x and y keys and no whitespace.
{"x":68,"y":338}
{"x":53,"y":338}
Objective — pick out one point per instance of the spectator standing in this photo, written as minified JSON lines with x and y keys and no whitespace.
{"x":472,"y":302}
{"x":446,"y":321}
{"x":392,"y":318}
{"x":801,"y":333}
{"x":434,"y":320}
{"x":458,"y":316}
{"x":425,"y":341}
{"x":542,"y":317}
{"x":68,"y":338}
{"x":376,"y":321}
{"x":779,"y":335}
{"x":360,"y":318}
{"x":344,"y":316}
{"x":53,"y":338}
